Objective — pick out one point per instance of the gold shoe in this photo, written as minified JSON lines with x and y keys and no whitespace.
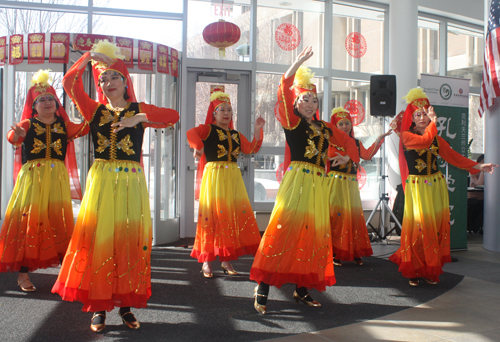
{"x":430,"y":282}
{"x":30,"y":288}
{"x":303,"y":300}
{"x":205,"y":273}
{"x":337,"y":262}
{"x":262,"y":309}
{"x":226,"y":269}
{"x":131,"y":325}
{"x":358,"y":261}
{"x":97,"y":327}
{"x":414,"y":282}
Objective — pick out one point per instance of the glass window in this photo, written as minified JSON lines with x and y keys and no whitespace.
{"x":476,"y":126}
{"x":17,"y":21}
{"x":358,"y":39}
{"x":428,"y":47}
{"x":167,"y":32}
{"x":265,"y":178}
{"x":465,"y":54}
{"x":143,"y":5}
{"x":59,"y":2}
{"x":282,"y":31}
{"x":203,"y":13}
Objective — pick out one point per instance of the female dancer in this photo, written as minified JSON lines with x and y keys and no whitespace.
{"x":296,"y":246}
{"x":226,"y":223}
{"x":425,"y":234}
{"x":108,"y":259}
{"x":39,"y":218}
{"x":349,"y":234}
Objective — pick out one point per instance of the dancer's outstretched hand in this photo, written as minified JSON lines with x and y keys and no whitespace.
{"x":486,"y":167}
{"x":339,"y":159}
{"x":305,"y":54}
{"x":198,"y":153}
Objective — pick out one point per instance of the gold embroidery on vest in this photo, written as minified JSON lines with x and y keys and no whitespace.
{"x":222,"y":151}
{"x":106,"y":117}
{"x":420,"y":165}
{"x":103,"y":142}
{"x":57,"y":146}
{"x":125,"y":145}
{"x":235,"y":137}
{"x":236,"y":152}
{"x":222,"y":135}
{"x":421,"y":151}
{"x":434,"y":166}
{"x":56,"y":128}
{"x":38,"y":146}
{"x":311,"y":150}
{"x":434,"y":149}
{"x":39,"y":129}
{"x":315,"y":132}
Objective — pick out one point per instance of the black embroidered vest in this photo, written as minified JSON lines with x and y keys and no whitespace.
{"x":44,"y":141}
{"x":422,"y":162}
{"x":222,"y":145}
{"x":350,"y":167}
{"x":308,"y":144}
{"x":123,"y":145}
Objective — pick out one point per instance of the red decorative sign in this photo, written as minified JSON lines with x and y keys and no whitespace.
{"x":356,"y":110}
{"x":59,"y":48}
{"x":287,"y":36}
{"x":16,"y":49}
{"x":36,"y":48}
{"x":3,"y":48}
{"x":355,"y":44}
{"x":174,"y":62}
{"x":85,"y":42}
{"x":145,"y":61}
{"x":162,"y":59}
{"x":280,"y":171}
{"x":126,"y":46}
{"x":361,"y":176}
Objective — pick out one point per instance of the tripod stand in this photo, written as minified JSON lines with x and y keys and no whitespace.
{"x":383,"y":201}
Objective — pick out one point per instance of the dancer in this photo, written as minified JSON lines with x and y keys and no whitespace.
{"x":107,"y":263}
{"x":39,"y":218}
{"x":425,"y":233}
{"x":226,"y":224}
{"x":296,"y":246}
{"x":350,"y":239}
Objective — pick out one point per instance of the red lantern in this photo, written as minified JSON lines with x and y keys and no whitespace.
{"x":221,"y":35}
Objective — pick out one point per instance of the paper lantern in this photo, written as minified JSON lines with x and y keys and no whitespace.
{"x":221,"y":34}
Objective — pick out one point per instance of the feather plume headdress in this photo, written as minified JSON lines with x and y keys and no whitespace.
{"x":41,"y":79}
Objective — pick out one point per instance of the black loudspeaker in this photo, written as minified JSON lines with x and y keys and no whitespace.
{"x":383,"y":95}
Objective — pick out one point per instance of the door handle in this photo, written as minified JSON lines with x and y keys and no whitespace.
{"x":191,"y":168}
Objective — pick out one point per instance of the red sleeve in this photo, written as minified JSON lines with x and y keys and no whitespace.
{"x":367,"y":154}
{"x":415,"y":141}
{"x":73,"y":85}
{"x":158,"y":117}
{"x":75,"y":130}
{"x":251,"y":147}
{"x":341,"y":139}
{"x":10,"y":135}
{"x":454,"y":158}
{"x":196,"y":135}
{"x":285,"y":100}
{"x":334,"y":149}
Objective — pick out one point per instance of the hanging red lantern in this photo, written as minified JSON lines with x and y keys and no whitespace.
{"x":221,"y":34}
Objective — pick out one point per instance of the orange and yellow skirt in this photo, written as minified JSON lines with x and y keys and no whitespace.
{"x":425,"y":233}
{"x":349,"y":233}
{"x":226,"y":223}
{"x":108,"y":261}
{"x":38,"y":221}
{"x":297,"y":245}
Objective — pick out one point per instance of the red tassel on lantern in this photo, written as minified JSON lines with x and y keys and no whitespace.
{"x":221,"y":35}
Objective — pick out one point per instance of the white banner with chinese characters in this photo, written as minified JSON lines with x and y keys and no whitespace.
{"x":450,"y":98}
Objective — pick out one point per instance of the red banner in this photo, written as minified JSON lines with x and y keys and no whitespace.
{"x":59,"y":48}
{"x":145,"y":61}
{"x":16,"y":49}
{"x":126,"y":46}
{"x":162,"y":59}
{"x":85,"y":41}
{"x":36,"y":48}
{"x":3,"y":48}
{"x":174,"y":62}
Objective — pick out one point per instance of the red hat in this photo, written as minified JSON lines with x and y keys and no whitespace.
{"x":341,"y":114}
{"x":416,"y":99}
{"x":302,"y":83}
{"x":98,"y":68}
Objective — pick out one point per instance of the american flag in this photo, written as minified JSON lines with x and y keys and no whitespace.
{"x":490,"y":87}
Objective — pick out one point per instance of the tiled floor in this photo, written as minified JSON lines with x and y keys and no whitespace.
{"x":469,"y":312}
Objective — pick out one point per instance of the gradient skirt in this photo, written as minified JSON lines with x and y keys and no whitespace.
{"x":349,"y":233}
{"x":226,"y":223}
{"x":107,"y":263}
{"x":425,"y":233}
{"x":38,"y":222}
{"x":297,"y":246}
